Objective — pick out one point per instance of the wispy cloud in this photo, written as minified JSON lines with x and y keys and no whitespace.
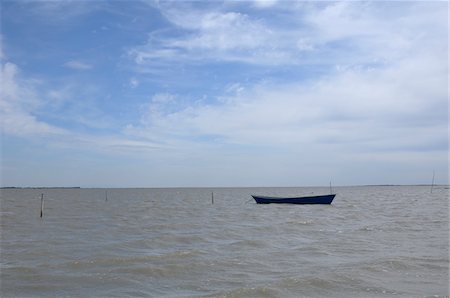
{"x":216,"y":35}
{"x":373,"y":93}
{"x":356,"y":108}
{"x":323,"y":33}
{"x":134,"y":82}
{"x":78,"y":65}
{"x":18,"y":102}
{"x":24,"y":107}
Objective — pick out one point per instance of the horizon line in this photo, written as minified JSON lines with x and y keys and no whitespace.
{"x":209,"y":187}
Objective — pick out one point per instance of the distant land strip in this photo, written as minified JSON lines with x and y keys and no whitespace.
{"x":218,"y":187}
{"x":40,"y":187}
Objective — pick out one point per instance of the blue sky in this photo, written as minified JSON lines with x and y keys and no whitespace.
{"x":233,"y":93}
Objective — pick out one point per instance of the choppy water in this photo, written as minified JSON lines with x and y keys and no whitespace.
{"x":371,"y":242}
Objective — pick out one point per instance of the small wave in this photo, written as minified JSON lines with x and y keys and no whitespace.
{"x":320,"y":283}
{"x":179,"y":239}
{"x":313,"y":251}
{"x":113,"y":261}
{"x":391,"y":265}
{"x":309,"y":286}
{"x":19,"y":269}
{"x":165,"y":270}
{"x":312,"y":286}
{"x":302,"y":222}
{"x":366,"y":229}
{"x":415,"y":263}
{"x":406,"y":264}
{"x":248,"y":243}
{"x":258,"y":291}
{"x":379,"y":291}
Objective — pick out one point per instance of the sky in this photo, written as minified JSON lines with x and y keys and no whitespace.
{"x":223,"y":93}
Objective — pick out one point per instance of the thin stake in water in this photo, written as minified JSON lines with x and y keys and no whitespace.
{"x":42,"y":204}
{"x":212,"y":198}
{"x":432,"y":183}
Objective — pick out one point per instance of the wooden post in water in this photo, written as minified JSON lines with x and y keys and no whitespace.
{"x":212,"y":197}
{"x":42,"y":204}
{"x":432,"y":183}
{"x":106,"y":196}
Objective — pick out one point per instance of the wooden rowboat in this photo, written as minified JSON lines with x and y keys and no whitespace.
{"x":324,"y":199}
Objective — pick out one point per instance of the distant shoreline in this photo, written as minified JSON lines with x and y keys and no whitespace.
{"x":215,"y":187}
{"x":39,"y":187}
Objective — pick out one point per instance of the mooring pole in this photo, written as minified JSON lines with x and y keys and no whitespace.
{"x":432,"y":183}
{"x":212,"y":198}
{"x":42,"y":204}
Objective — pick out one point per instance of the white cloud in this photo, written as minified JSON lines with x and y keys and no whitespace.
{"x":214,"y":35}
{"x":356,"y":110}
{"x":18,"y":101}
{"x":163,"y":98}
{"x":25,"y":102}
{"x":78,"y":65}
{"x":226,"y":31}
{"x":21,"y":104}
{"x":134,"y":82}
{"x":388,"y":84}
{"x":309,"y":33}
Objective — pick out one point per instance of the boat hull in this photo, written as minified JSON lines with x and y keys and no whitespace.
{"x":324,"y":199}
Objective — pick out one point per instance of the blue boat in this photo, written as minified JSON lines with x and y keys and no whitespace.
{"x":324,"y":199}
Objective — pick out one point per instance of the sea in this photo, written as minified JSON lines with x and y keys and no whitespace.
{"x":372,"y":241}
